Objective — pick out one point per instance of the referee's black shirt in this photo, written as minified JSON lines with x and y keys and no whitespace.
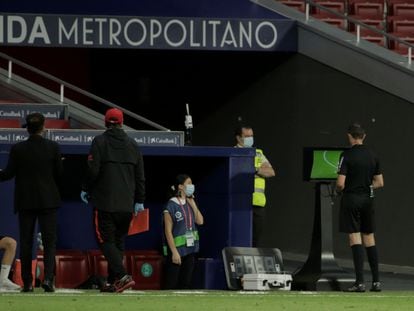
{"x":359,"y":164}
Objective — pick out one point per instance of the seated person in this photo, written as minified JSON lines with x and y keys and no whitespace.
{"x":9,"y":246}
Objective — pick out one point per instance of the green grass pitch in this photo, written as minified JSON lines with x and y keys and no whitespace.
{"x":206,"y":300}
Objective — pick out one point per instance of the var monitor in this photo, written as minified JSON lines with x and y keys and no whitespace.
{"x":321,"y":163}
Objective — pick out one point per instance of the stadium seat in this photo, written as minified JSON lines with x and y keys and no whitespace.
{"x":17,"y":274}
{"x":368,"y":34}
{"x":98,"y":265}
{"x":145,"y":268}
{"x":337,"y":6}
{"x":399,"y":47}
{"x":72,"y":268}
{"x":10,"y":123}
{"x":401,"y":8}
{"x":401,"y":25}
{"x":330,"y":19}
{"x":296,"y":4}
{"x":40,"y":267}
{"x":57,"y":124}
{"x":367,"y":8}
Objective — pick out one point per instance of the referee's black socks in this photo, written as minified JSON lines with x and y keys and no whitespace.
{"x":358,"y":256}
{"x":373,"y":262}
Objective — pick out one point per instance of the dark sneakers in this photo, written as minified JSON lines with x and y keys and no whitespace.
{"x":124,"y":283}
{"x":376,"y":287}
{"x":47,"y":285}
{"x":356,"y":288}
{"x":27,"y":289}
{"x":119,"y":286}
{"x":108,"y":288}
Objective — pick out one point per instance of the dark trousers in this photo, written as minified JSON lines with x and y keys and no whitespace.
{"x":259,"y":214}
{"x":27,"y":224}
{"x":111,"y":230}
{"x":179,"y":276}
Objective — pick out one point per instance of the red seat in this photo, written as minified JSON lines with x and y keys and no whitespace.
{"x":380,"y":40}
{"x":72,"y":268}
{"x":40,"y":267}
{"x":10,"y":123}
{"x":57,"y":124}
{"x":374,"y":22}
{"x":337,"y":6}
{"x":401,"y":8}
{"x":367,"y":8}
{"x":296,"y":4}
{"x":400,"y":25}
{"x":330,"y":19}
{"x":400,"y":47}
{"x":98,"y":265}
{"x":145,"y":268}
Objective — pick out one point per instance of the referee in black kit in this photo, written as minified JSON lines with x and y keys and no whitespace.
{"x":359,"y":174}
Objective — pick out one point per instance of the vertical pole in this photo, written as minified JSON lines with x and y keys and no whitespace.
{"x":10,"y":69}
{"x":358,"y":33}
{"x":409,"y":55}
{"x":307,"y":11}
{"x":62,"y":89}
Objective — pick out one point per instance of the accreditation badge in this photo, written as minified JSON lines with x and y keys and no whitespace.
{"x":189,"y":237}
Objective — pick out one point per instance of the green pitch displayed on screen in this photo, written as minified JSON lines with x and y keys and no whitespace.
{"x":325,"y":164}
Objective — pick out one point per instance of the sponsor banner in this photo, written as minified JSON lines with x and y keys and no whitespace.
{"x":11,"y":136}
{"x":85,"y":137}
{"x":20,"y":111}
{"x":137,"y":32}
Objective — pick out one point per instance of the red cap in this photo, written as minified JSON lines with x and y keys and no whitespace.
{"x":114,"y":116}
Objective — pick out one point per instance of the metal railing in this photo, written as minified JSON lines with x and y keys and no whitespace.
{"x":65,"y":85}
{"x":359,"y":24}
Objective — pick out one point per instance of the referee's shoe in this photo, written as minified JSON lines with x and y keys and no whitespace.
{"x":376,"y":287}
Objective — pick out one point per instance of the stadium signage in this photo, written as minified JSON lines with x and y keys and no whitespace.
{"x":143,"y":32}
{"x":20,"y":111}
{"x":85,"y":137}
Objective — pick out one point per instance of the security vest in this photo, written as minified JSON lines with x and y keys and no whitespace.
{"x":259,"y":198}
{"x":180,"y":215}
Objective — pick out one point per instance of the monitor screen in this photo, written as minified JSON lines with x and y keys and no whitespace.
{"x":321,"y":163}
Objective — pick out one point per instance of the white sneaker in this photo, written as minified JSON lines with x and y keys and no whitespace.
{"x":9,"y":285}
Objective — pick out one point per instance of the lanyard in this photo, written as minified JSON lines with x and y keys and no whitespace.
{"x":188,"y":226}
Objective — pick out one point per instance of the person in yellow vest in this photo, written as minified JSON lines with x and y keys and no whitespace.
{"x":244,"y":139}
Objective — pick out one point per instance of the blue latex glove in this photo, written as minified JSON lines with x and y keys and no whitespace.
{"x":138,"y":207}
{"x":84,"y":197}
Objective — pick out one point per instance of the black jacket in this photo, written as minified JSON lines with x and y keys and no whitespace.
{"x":115,"y":179}
{"x":37,"y":165}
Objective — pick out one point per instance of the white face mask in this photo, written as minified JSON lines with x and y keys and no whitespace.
{"x":248,"y":141}
{"x":189,"y":190}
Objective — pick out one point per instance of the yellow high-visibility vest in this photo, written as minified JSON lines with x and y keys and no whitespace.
{"x":259,"y":198}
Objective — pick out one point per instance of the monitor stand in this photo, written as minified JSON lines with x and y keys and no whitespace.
{"x":321,"y":272}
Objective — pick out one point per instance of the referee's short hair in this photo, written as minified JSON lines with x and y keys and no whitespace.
{"x":356,"y":131}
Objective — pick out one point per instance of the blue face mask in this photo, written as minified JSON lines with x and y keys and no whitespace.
{"x":189,"y":190}
{"x":248,"y":141}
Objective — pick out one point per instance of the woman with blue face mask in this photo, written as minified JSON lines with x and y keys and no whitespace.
{"x":181,"y":240}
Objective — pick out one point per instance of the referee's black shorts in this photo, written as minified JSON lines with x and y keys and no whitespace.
{"x":357,"y":214}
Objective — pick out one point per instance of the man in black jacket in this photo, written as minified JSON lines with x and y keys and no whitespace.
{"x":36,"y":165}
{"x":116,"y":186}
